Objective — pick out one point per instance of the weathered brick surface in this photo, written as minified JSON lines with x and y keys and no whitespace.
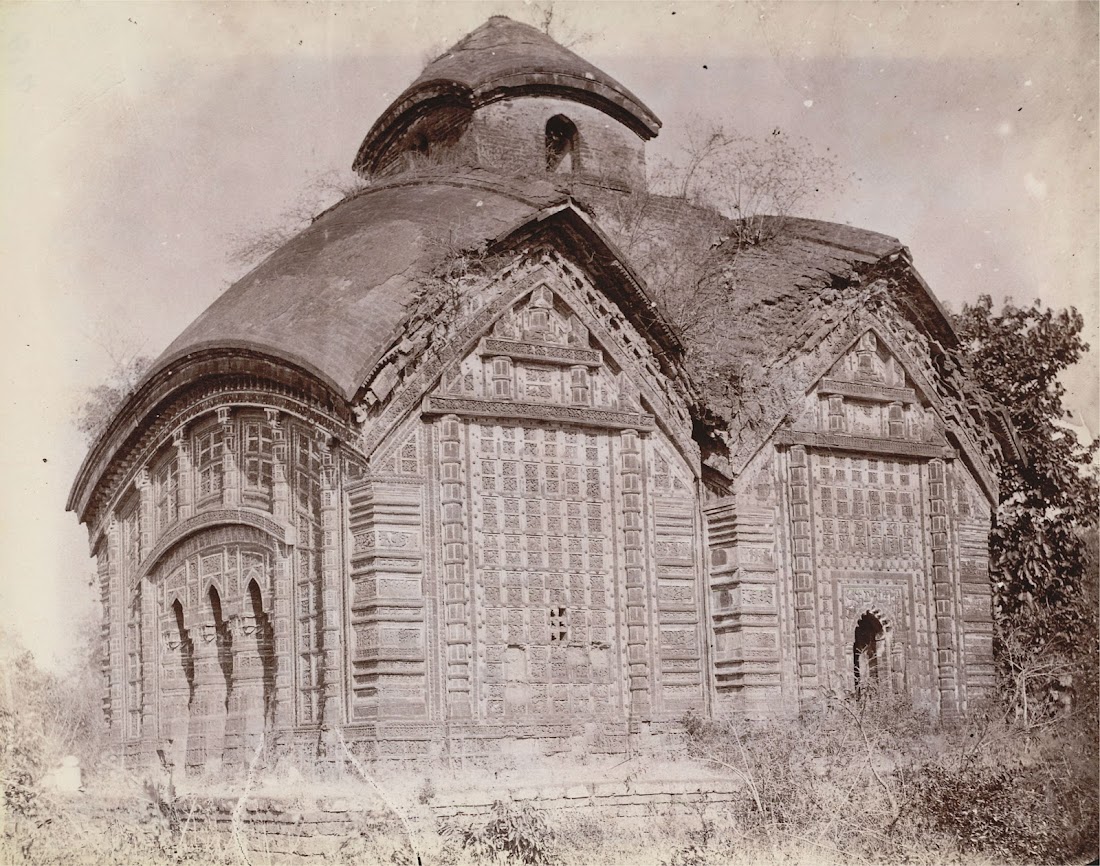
{"x":506,"y":457}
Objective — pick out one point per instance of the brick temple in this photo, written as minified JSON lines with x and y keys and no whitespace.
{"x":440,"y":476}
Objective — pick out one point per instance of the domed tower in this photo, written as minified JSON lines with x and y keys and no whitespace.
{"x":509,"y":98}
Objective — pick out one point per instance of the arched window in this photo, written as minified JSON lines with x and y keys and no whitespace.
{"x":186,"y":648}
{"x":561,"y":145}
{"x":223,"y":640}
{"x":866,"y":648}
{"x":265,"y":647}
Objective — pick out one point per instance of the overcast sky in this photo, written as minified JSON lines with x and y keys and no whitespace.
{"x":138,"y":141}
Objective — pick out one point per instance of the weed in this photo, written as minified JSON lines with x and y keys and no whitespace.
{"x":520,"y":833}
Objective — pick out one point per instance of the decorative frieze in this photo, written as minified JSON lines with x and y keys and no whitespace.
{"x":866,"y":391}
{"x":493,"y":409}
{"x":863,"y":444}
{"x":564,"y":356}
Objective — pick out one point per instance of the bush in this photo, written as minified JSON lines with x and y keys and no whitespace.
{"x":995,"y":811}
{"x":520,"y":833}
{"x":873,"y":779}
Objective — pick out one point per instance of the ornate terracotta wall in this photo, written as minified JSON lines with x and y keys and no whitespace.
{"x":526,"y":545}
{"x":853,"y":552}
{"x":218,"y":565}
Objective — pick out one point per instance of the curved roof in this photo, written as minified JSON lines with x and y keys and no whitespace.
{"x":329,"y":300}
{"x":504,"y":58}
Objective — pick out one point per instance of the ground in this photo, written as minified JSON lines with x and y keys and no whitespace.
{"x":857,"y":781}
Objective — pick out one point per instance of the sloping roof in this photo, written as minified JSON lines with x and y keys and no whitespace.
{"x":770,"y":291}
{"x":505,"y":58}
{"x":330,"y":299}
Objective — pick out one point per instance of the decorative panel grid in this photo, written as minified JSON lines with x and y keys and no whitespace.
{"x":544,"y":570}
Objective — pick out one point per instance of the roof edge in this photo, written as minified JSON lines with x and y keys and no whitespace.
{"x":164,"y":380}
{"x":424,"y":96}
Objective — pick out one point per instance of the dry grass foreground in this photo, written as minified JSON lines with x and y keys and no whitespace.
{"x":866,"y":781}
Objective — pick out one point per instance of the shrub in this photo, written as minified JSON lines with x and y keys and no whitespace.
{"x":990,"y":810}
{"x":520,"y":833}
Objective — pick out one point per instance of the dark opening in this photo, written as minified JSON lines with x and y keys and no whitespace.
{"x":224,"y":642}
{"x":561,"y":144}
{"x":187,"y":651}
{"x":865,"y":660}
{"x":559,"y":625}
{"x":265,"y":645}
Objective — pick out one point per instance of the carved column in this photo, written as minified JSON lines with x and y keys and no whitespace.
{"x":332,"y":644}
{"x":282,"y":607}
{"x":116,"y":619}
{"x":231,"y":476}
{"x":943,"y":590}
{"x":280,"y":486}
{"x":245,"y":724}
{"x":637,"y":641}
{"x":175,"y":695}
{"x":147,"y":612}
{"x":803,"y":572}
{"x":456,"y":591}
{"x":185,"y":495}
{"x":206,"y":730}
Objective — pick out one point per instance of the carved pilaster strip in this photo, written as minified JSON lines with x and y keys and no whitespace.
{"x":798,"y":482}
{"x":284,"y":643}
{"x":231,"y":477}
{"x":186,"y":493}
{"x":150,"y":672}
{"x":116,"y":617}
{"x":280,"y":492}
{"x":456,"y":590}
{"x":637,"y":620}
{"x":144,"y":513}
{"x":332,"y":644}
{"x":943,"y":590}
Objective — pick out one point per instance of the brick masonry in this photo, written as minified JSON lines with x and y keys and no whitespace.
{"x":492,"y":515}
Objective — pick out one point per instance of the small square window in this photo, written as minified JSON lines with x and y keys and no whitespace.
{"x":559,"y":625}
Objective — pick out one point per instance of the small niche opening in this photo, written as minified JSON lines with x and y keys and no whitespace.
{"x":866,"y":648}
{"x":561,"y":145}
{"x":559,"y":625}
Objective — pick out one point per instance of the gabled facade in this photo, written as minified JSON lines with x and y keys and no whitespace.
{"x":438,"y":477}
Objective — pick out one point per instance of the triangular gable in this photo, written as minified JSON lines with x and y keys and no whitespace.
{"x":862,"y":390}
{"x":542,"y":307}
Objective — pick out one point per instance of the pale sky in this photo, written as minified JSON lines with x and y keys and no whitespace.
{"x":137,"y":141}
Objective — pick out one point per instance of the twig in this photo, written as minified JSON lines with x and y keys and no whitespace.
{"x":381,"y":793}
{"x":238,"y":835}
{"x":895,"y":809}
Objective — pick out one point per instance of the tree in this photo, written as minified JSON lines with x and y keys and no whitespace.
{"x":760,"y":183}
{"x":104,"y":400}
{"x":1043,"y":584}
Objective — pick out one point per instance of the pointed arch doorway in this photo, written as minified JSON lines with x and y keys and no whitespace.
{"x":869,"y":655}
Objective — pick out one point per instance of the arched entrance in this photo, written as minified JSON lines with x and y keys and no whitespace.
{"x":177,"y":685}
{"x":561,"y":145}
{"x":868,"y":654}
{"x":213,"y":687}
{"x":217,"y":653}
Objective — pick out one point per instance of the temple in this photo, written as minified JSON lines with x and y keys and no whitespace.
{"x":462,"y":470}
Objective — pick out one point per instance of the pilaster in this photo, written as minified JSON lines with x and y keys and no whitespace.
{"x":231,"y":477}
{"x":802,"y":568}
{"x":455,"y":567}
{"x":332,"y":599}
{"x":186,"y":492}
{"x":943,"y":590}
{"x":116,"y":619}
{"x":637,"y":603}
